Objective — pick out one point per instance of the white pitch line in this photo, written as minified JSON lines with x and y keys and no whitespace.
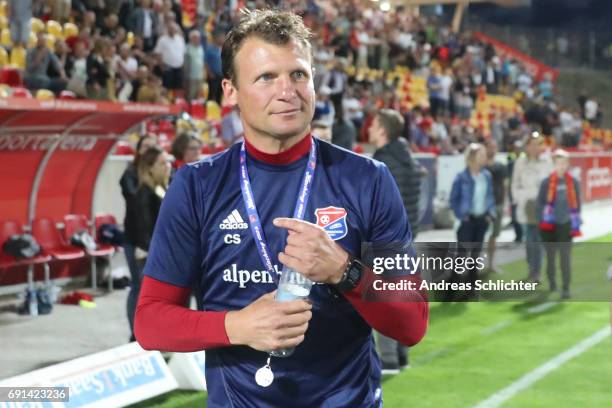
{"x":495,"y":328}
{"x":542,"y":307}
{"x":540,"y":372}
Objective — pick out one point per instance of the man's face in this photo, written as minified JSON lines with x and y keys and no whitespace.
{"x":376,"y":133}
{"x":146,"y":144}
{"x":491,"y":149}
{"x":192,"y":152}
{"x":273,"y":88}
{"x":534,"y":147}
{"x":561,"y":165}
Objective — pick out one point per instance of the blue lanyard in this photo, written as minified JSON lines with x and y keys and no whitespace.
{"x":253,"y":215}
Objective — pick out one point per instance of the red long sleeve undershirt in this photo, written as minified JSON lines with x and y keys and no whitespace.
{"x":164,"y":323}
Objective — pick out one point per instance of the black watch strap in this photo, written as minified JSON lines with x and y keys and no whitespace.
{"x":351,"y":277}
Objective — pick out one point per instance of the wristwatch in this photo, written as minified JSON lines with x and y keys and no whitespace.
{"x":351,"y":277}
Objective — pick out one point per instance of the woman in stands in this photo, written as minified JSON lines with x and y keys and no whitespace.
{"x":186,"y":148}
{"x":473,"y":203}
{"x":129,"y":187}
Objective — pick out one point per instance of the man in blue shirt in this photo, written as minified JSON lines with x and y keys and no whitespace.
{"x":214,"y":74}
{"x":224,"y":227}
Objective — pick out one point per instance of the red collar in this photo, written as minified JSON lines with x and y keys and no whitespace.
{"x":294,"y":153}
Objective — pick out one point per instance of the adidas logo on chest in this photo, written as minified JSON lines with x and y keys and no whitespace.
{"x":233,"y":222}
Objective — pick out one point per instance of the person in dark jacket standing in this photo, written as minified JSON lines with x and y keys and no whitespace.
{"x":500,"y":185}
{"x":129,"y":187}
{"x":393,"y":150}
{"x":558,"y":210}
{"x":153,"y":178}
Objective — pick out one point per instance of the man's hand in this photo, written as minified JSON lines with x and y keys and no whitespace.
{"x":267,"y":325}
{"x":311,"y":252}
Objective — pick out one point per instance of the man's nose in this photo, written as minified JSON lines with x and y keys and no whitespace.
{"x":286,"y":88}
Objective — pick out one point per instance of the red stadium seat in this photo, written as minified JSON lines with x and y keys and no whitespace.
{"x":11,"y":77}
{"x":75,"y":223}
{"x":50,"y":239}
{"x":123,"y":148}
{"x":21,"y":93}
{"x":67,"y":95}
{"x":9,"y":228}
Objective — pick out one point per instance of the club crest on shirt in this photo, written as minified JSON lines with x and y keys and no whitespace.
{"x":333,"y":221}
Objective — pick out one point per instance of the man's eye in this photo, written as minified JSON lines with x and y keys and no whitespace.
{"x":266,"y":77}
{"x":299,"y":75}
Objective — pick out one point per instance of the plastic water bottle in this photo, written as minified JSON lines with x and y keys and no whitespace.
{"x":32,"y":300}
{"x":292,"y":286}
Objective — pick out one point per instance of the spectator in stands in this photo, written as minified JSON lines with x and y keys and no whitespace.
{"x":186,"y":148}
{"x":126,"y":68}
{"x":353,"y":110}
{"x":144,"y":24}
{"x":322,"y":130}
{"x":336,"y":80}
{"x":194,"y":66}
{"x":214,"y":75}
{"x":129,"y":187}
{"x":19,"y":13}
{"x":89,"y":23}
{"x":231,"y":127}
{"x":171,"y":48}
{"x":394,"y":151}
{"x":324,"y":107}
{"x":473,"y":204}
{"x":344,"y":133}
{"x":160,"y":17}
{"x":150,"y":87}
{"x":590,"y":110}
{"x":78,"y":70}
{"x":62,"y":53}
{"x":111,"y":26}
{"x":528,"y":173}
{"x":446,"y":85}
{"x":38,"y":61}
{"x":60,"y":10}
{"x":98,"y":73}
{"x":500,"y":184}
{"x":434,"y":87}
{"x":559,"y":215}
{"x":546,"y":87}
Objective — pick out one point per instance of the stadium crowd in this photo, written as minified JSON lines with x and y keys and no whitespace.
{"x":142,"y":51}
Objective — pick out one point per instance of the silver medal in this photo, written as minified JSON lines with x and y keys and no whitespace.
{"x":264,"y":376}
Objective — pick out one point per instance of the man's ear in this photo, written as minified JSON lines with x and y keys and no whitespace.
{"x":230,"y":93}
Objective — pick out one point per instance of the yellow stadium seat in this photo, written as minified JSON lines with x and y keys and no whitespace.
{"x":130,"y":39}
{"x":37,"y":25}
{"x":51,"y":41}
{"x":5,"y":38}
{"x":55,"y":28}
{"x":3,"y":8}
{"x":3,"y":23}
{"x":4,"y":90}
{"x":4,"y":58}
{"x":213,"y":111}
{"x":44,"y":94}
{"x":32,"y":40}
{"x":70,"y":30}
{"x":18,"y":57}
